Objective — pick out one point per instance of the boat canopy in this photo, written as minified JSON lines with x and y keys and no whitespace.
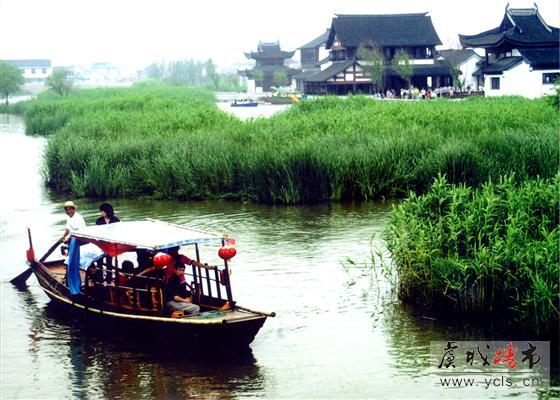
{"x":120,"y":237}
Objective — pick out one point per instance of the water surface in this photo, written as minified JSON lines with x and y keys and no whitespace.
{"x":336,"y":335}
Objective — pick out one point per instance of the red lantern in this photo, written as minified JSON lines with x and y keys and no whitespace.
{"x":227,"y":252}
{"x":162,"y":259}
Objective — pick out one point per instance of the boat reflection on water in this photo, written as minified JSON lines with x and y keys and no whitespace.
{"x":106,"y":364}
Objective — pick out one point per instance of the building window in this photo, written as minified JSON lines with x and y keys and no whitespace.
{"x":337,"y":55}
{"x":32,"y":70}
{"x":549,"y":77}
{"x":495,"y":83}
{"x":309,"y":56}
{"x":429,"y":52}
{"x":44,"y":70}
{"x":421,"y":52}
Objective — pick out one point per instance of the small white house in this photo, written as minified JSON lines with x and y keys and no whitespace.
{"x":466,"y":61}
{"x":33,"y":70}
{"x":521,"y":55}
{"x":105,"y":72}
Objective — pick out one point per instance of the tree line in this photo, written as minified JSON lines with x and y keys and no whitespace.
{"x":192,"y":72}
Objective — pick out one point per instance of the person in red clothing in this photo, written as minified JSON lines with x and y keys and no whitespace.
{"x":176,"y":259}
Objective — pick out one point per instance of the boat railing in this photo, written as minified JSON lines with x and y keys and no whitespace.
{"x":136,"y":292}
{"x":142,"y":292}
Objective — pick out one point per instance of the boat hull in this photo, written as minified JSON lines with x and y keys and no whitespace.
{"x":245,"y":105}
{"x":222,"y":330}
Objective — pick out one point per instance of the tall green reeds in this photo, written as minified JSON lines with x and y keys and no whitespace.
{"x":170,"y":142}
{"x":488,"y":250}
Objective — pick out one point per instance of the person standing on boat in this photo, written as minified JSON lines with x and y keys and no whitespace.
{"x":177,"y":297}
{"x":74,"y":220}
{"x":107,"y":215}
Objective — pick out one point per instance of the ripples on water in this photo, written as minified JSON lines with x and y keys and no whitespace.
{"x":335,"y":335}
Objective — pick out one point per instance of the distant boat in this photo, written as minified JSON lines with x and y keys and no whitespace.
{"x":282,"y":98}
{"x":244,"y":103}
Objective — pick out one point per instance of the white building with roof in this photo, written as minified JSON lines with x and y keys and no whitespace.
{"x":33,"y":70}
{"x":521,"y":55}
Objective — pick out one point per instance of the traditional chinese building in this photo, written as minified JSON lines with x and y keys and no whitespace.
{"x":269,"y":60}
{"x":312,"y":55}
{"x":345,"y":73}
{"x":520,"y":55}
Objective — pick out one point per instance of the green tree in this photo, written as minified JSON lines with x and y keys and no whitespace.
{"x":10,"y":79}
{"x":59,"y":81}
{"x":403,"y":67}
{"x":156,"y":70}
{"x":280,"y":78}
{"x":258,"y":76}
{"x":457,"y":81}
{"x":211,"y":73}
{"x":373,"y":63}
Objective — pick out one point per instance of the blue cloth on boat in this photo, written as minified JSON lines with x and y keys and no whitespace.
{"x":80,"y":256}
{"x":88,"y":254}
{"x":73,"y":272}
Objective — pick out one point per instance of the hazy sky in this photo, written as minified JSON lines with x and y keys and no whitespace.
{"x":134,"y":33}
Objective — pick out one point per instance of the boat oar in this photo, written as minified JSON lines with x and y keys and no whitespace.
{"x":24,"y":276}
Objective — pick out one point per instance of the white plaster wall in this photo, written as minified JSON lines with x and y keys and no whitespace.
{"x":467,"y":69}
{"x":28,"y":73}
{"x":251,"y":86}
{"x":520,"y":81}
{"x":422,"y":61}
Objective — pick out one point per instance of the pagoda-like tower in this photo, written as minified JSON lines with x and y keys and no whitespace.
{"x":269,"y":58}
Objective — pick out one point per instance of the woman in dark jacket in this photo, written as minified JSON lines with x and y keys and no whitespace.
{"x":107,"y":215}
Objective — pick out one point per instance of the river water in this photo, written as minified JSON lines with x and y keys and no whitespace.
{"x":337,"y":334}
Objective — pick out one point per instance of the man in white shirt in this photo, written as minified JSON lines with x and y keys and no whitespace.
{"x":74,"y":220}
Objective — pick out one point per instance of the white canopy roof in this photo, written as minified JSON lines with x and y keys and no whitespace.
{"x":154,"y":235}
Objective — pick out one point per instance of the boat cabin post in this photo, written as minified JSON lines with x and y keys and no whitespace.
{"x":226,"y":278}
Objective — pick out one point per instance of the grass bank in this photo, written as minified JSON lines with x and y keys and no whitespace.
{"x":170,"y":142}
{"x":488,"y":250}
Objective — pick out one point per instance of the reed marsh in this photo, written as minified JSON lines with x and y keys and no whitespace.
{"x":491,"y":250}
{"x":171,"y":142}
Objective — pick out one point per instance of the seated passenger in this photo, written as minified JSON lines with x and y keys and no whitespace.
{"x":94,"y":278}
{"x":127,"y":268}
{"x":177,"y":297}
{"x":144,"y":258}
{"x":176,"y":260}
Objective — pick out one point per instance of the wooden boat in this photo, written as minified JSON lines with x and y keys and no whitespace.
{"x":279,"y":100}
{"x":244,"y":103}
{"x":139,"y":308}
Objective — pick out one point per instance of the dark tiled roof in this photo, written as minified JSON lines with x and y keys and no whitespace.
{"x":269,"y":51}
{"x":384,"y":30}
{"x":456,"y":57}
{"x":542,"y":58}
{"x":38,"y":63}
{"x":520,"y":27}
{"x":499,"y":66}
{"x":330,"y":71}
{"x":304,"y":75}
{"x":318,"y":41}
